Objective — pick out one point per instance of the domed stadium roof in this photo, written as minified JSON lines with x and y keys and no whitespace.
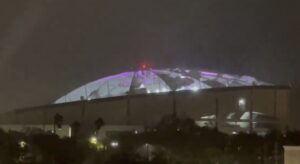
{"x":156,"y":81}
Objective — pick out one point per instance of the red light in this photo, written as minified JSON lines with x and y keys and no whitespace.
{"x":145,"y":66}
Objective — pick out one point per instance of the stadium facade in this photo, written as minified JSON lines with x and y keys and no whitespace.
{"x":141,"y":98}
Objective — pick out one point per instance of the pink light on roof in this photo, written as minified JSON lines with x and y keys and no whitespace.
{"x":209,"y":73}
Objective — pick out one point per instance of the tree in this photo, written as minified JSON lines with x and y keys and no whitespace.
{"x":168,"y":123}
{"x":58,"y":120}
{"x":44,"y":147}
{"x":98,"y":124}
{"x":187,"y":125}
{"x":9,"y":147}
{"x":50,"y":149}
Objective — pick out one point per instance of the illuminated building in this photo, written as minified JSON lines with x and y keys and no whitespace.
{"x":156,"y":81}
{"x":141,"y":98}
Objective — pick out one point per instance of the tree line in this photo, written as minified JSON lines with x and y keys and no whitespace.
{"x":171,"y":141}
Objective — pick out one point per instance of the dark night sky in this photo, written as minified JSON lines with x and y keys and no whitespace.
{"x":49,"y":47}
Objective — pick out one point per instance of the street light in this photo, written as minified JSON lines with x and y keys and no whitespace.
{"x":114,"y":144}
{"x":22,"y":144}
{"x":93,"y":140}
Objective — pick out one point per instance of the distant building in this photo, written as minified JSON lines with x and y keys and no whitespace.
{"x":230,"y":103}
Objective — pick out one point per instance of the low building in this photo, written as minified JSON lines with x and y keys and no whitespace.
{"x":291,"y":154}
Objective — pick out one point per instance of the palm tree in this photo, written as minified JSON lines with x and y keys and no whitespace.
{"x":98,"y":124}
{"x":75,"y":128}
{"x":58,"y":120}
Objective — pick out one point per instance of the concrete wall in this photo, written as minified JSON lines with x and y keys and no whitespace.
{"x":149,"y":109}
{"x":146,"y":110}
{"x":64,"y":131}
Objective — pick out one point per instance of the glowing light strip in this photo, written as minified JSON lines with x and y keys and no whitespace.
{"x":209,"y":73}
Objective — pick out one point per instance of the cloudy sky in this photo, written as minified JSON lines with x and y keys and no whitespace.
{"x":49,"y":47}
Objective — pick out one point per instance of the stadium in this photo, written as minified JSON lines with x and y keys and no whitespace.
{"x":136,"y":100}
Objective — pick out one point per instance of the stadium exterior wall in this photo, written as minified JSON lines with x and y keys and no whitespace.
{"x":206,"y":107}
